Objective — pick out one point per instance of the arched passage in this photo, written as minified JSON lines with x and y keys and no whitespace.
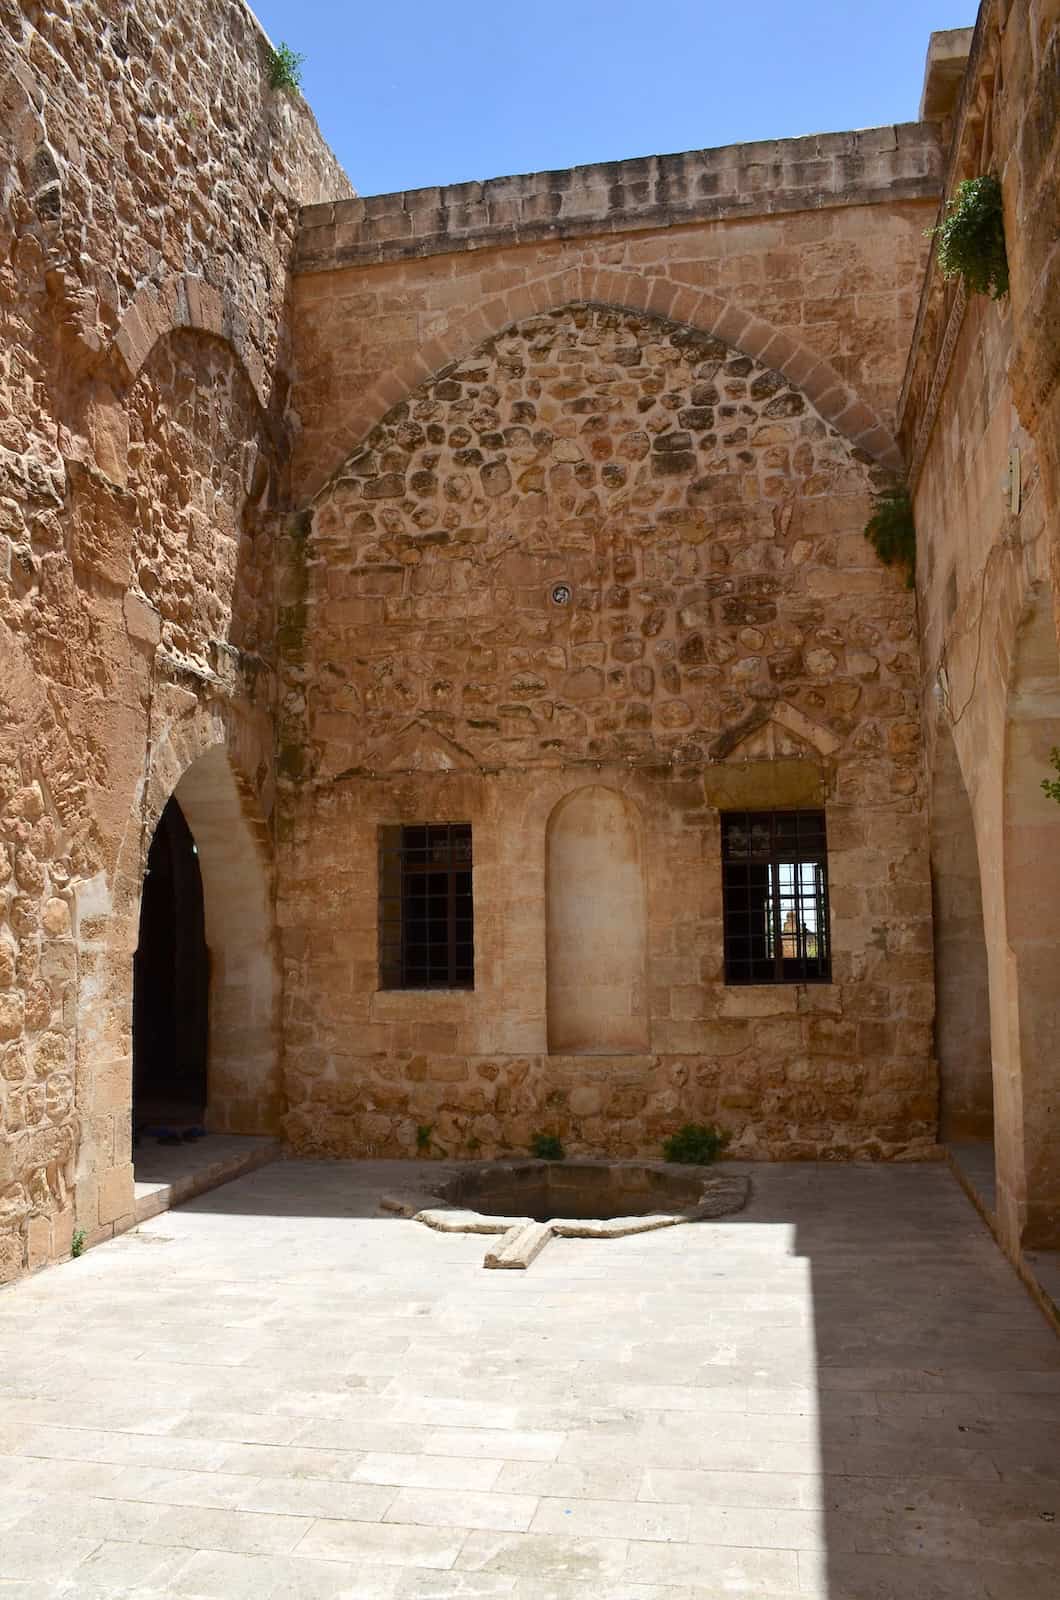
{"x":209,"y":820}
{"x":171,"y":983}
{"x":1030,"y":1090}
{"x":962,"y":985}
{"x":597,"y":1003}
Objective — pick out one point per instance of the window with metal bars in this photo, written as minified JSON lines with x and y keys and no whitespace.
{"x":775,"y":897}
{"x":426,"y":912}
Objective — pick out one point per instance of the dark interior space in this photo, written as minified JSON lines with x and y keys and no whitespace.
{"x":171,"y":988}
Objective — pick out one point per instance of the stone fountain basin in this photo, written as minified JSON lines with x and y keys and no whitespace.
{"x":581,"y":1199}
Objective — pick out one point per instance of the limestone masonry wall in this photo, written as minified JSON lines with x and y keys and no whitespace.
{"x":826,"y":296}
{"x":978,"y":420}
{"x":731,"y":641}
{"x":755,"y":179}
{"x":534,"y":504}
{"x":150,"y":186}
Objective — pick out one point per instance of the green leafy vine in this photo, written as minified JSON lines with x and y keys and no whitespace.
{"x":891,"y":530}
{"x":284,"y":67}
{"x":971,"y":237}
{"x":1052,"y":785}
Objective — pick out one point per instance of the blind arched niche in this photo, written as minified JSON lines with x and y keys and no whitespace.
{"x":597,"y":936}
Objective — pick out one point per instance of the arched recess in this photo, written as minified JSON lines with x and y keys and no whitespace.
{"x":962,"y":986}
{"x":183,"y":300}
{"x":1029,"y":1096}
{"x":597,"y":926}
{"x":618,"y":290}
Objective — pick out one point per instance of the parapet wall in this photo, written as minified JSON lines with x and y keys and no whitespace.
{"x":766,"y":178}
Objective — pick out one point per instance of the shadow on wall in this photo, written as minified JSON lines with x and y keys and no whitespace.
{"x":1032,"y":915}
{"x":962,"y":984}
{"x":597,"y":926}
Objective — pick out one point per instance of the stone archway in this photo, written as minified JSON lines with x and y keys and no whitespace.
{"x":624,"y":294}
{"x":201,"y":757}
{"x":962,"y":983}
{"x":597,"y":926}
{"x":1028,"y":1093}
{"x":244,"y":1090}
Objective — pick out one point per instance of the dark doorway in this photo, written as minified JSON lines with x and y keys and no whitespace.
{"x":171,"y":986}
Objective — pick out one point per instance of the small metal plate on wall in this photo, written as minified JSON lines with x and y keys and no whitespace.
{"x":1015,"y":483}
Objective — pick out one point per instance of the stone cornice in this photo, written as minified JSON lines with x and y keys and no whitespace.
{"x":865,"y":167}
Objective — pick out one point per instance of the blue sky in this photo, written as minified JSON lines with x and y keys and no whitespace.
{"x":412,"y":93}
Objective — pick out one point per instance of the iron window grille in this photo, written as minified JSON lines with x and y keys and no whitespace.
{"x":426,"y":911}
{"x":775,"y":897}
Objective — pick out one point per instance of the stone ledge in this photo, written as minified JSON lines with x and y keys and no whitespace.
{"x":519,"y":1247}
{"x":236,"y":1155}
{"x":972,"y":1165}
{"x":863,"y":167}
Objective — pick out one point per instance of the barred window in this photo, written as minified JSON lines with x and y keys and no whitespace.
{"x":775,"y":897}
{"x":426,"y":914}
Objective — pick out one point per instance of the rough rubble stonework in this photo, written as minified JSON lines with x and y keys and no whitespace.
{"x":151,"y":188}
{"x":287,"y":479}
{"x":725,"y":612}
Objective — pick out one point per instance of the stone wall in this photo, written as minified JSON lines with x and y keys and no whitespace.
{"x":151,"y":185}
{"x":730,"y":641}
{"x":977,"y":420}
{"x":765,"y":178}
{"x":1028,"y":110}
{"x":822,"y":286}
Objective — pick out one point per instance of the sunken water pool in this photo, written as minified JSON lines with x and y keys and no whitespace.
{"x":530,"y":1202}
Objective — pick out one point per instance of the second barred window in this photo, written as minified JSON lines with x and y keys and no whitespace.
{"x":775,"y":897}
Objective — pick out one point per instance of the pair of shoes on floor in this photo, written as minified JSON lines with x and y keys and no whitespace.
{"x":167,"y":1135}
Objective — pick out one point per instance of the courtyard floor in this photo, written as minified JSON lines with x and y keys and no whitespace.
{"x":841,"y":1392}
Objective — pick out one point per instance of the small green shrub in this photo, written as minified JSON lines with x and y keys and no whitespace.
{"x":971,"y":237}
{"x":696,"y":1144}
{"x":423,"y":1137}
{"x":891,"y":531}
{"x":284,"y":67}
{"x":77,"y":1243}
{"x":546,"y":1147}
{"x":1052,"y":785}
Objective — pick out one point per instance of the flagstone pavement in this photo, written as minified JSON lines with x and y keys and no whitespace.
{"x":842,"y":1393}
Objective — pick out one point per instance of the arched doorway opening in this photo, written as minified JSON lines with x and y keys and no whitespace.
{"x":205,"y":1009}
{"x":171,"y":984}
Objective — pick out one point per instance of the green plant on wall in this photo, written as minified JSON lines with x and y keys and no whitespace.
{"x":971,"y":237}
{"x":547,"y":1147}
{"x":284,"y":67}
{"x":1052,"y":785}
{"x":891,"y":532}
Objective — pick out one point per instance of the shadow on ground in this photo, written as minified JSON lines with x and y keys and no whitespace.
{"x":841,"y":1393}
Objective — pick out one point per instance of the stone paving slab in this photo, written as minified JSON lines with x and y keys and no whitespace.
{"x":840,"y":1393}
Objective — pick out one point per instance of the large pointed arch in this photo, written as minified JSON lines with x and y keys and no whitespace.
{"x":621,"y":291}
